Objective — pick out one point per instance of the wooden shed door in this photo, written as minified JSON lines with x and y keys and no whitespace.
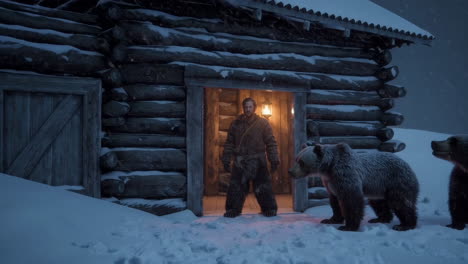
{"x":49,"y":129}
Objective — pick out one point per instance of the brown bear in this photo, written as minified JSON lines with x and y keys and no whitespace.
{"x":455,"y":150}
{"x":386,"y":180}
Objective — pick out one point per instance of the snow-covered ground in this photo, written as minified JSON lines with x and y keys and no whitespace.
{"x":44,"y":224}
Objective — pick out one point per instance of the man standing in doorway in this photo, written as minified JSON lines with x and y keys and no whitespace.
{"x":249,"y":137}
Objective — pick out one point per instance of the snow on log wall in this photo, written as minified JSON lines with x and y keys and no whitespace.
{"x":349,"y":99}
{"x":143,"y":111}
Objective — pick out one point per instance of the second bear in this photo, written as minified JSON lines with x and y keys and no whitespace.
{"x":386,"y":180}
{"x":455,"y":150}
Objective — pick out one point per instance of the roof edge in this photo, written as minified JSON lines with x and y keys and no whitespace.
{"x":327,"y":21}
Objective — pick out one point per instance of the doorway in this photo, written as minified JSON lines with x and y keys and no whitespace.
{"x":222,"y":106}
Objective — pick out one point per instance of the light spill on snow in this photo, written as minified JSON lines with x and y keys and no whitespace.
{"x":44,"y":224}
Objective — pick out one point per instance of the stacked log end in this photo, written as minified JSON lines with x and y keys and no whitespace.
{"x":51,"y":41}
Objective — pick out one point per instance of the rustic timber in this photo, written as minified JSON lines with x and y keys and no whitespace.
{"x":357,"y":142}
{"x":157,"y":109}
{"x":114,"y":140}
{"x":388,"y":74}
{"x":279,"y":61}
{"x":112,"y":187}
{"x":170,"y":126}
{"x":392,"y":118}
{"x":152,"y":74}
{"x":144,"y":92}
{"x":51,"y":12}
{"x":222,"y":136}
{"x":112,"y":78}
{"x":49,"y":58}
{"x":383,"y":58}
{"x":146,"y":185}
{"x":228,"y":108}
{"x":225,"y":122}
{"x":346,"y":97}
{"x":217,"y":25}
{"x":33,"y":117}
{"x":392,"y":146}
{"x":343,"y":112}
{"x":81,"y":41}
{"x":8,"y":16}
{"x":113,"y":121}
{"x":353,"y":113}
{"x":229,"y":95}
{"x":115,"y":109}
{"x":26,"y":160}
{"x":153,"y":206}
{"x":108,"y":161}
{"x":211,"y":146}
{"x":299,"y":186}
{"x":336,"y":128}
{"x":273,"y":78}
{"x":119,"y":94}
{"x":145,"y":159}
{"x":195,"y":144}
{"x":391,"y":91}
{"x":141,"y":33}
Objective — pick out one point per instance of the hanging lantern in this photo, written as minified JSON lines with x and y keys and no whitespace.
{"x":267,"y":110}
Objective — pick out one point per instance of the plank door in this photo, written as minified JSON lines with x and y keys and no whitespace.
{"x":49,"y":129}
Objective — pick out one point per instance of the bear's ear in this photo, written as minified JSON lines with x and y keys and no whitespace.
{"x":318,"y":150}
{"x":308,"y":144}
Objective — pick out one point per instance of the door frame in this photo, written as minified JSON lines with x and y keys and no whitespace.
{"x":195,"y":133}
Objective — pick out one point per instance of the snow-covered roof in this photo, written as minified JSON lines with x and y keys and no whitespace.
{"x":362,"y":15}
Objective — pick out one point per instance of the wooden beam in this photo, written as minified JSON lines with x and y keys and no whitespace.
{"x":195,"y":143}
{"x":272,"y":79}
{"x":51,"y":12}
{"x":158,"y":125}
{"x":299,"y":186}
{"x":49,"y":58}
{"x":349,"y":128}
{"x":80,"y":41}
{"x":157,"y":109}
{"x":138,"y":33}
{"x":152,"y":74}
{"x":146,"y":159}
{"x":211,"y":150}
{"x":346,"y":97}
{"x":357,"y":142}
{"x":149,"y":184}
{"x":278,"y":61}
{"x":144,"y":92}
{"x":115,"y":140}
{"x":8,"y":16}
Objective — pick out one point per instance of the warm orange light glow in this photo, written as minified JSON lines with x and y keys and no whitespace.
{"x":267,"y":110}
{"x":292,"y":111}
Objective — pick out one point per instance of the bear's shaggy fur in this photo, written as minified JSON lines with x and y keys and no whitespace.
{"x":386,"y":180}
{"x":455,"y":150}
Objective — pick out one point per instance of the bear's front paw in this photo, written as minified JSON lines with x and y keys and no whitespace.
{"x":402,"y":227}
{"x":348,"y":228}
{"x":332,"y":220}
{"x":458,"y":226}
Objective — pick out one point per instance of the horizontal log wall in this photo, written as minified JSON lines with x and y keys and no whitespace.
{"x":349,"y":99}
{"x":51,"y":41}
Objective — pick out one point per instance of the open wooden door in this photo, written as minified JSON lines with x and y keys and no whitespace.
{"x":49,"y":129}
{"x":222,"y":106}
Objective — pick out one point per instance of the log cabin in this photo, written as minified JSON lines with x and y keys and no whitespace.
{"x":132,"y":100}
